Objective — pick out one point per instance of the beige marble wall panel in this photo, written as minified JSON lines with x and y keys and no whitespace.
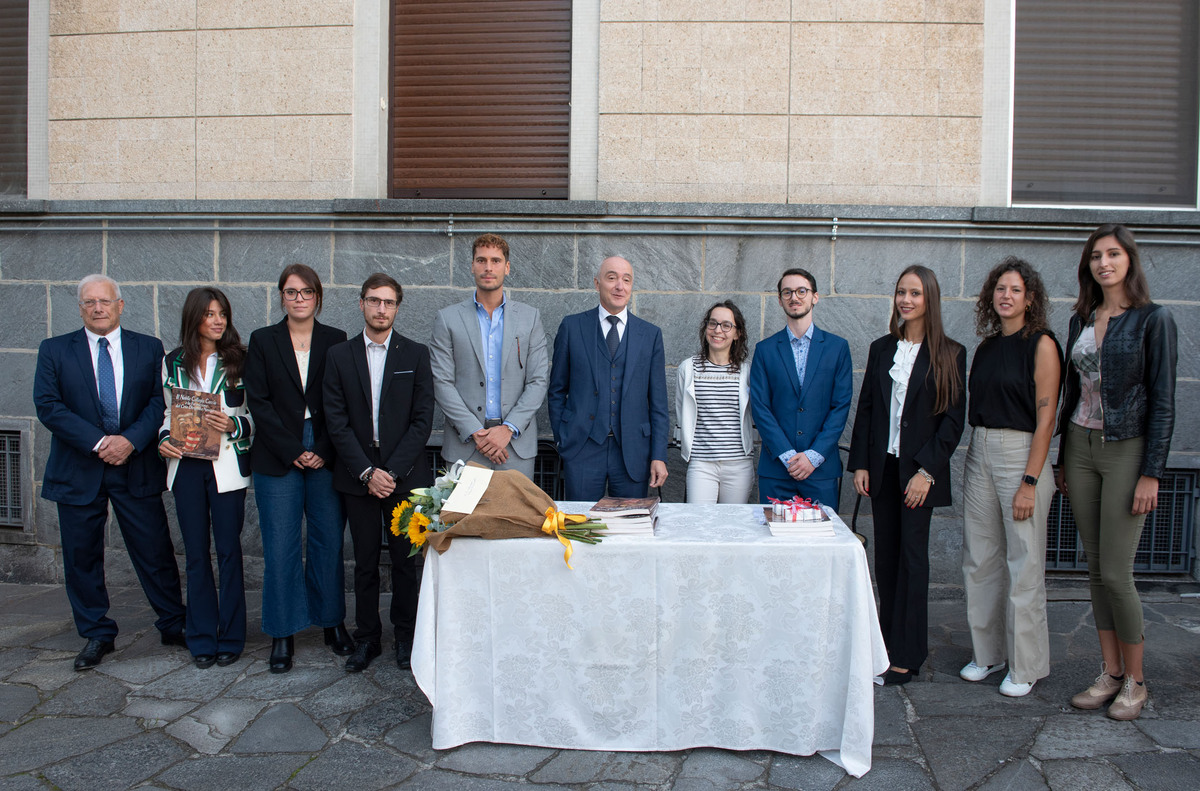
{"x":621,"y":69}
{"x":218,"y":14}
{"x":694,"y":10}
{"x":281,"y":71}
{"x":125,"y":158}
{"x":887,"y":10}
{"x":743,"y":68}
{"x":133,"y":75}
{"x":693,"y":157}
{"x":274,"y":157}
{"x":72,"y":17}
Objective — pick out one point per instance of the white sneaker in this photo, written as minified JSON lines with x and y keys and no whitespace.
{"x":974,"y":672}
{"x":1015,"y":689}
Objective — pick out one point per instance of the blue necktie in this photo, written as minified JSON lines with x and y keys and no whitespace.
{"x":613,"y":338}
{"x":107,"y":383}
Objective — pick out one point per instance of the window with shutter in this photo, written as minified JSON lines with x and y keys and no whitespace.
{"x":14,"y":47}
{"x":1105,"y":103}
{"x":481,"y":96}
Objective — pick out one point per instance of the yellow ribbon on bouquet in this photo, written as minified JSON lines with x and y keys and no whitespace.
{"x":555,"y":521}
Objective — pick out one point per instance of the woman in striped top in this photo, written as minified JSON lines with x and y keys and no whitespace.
{"x":712,"y":410}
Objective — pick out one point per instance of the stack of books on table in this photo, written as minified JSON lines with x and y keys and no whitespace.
{"x":626,"y":516}
{"x":811,"y":522}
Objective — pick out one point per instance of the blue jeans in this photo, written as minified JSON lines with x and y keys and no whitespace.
{"x":298,"y":594}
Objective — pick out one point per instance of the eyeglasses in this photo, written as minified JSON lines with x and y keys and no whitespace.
{"x":723,"y":326}
{"x":91,"y":303}
{"x":802,"y":292}
{"x":374,"y":302}
{"x":292,"y":294}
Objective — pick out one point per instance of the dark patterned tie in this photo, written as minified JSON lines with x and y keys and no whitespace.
{"x":614,"y":339}
{"x":107,"y":383}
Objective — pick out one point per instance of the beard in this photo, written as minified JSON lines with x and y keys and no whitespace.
{"x":798,"y":312}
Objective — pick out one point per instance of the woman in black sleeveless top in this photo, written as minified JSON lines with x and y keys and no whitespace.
{"x":1008,"y":487}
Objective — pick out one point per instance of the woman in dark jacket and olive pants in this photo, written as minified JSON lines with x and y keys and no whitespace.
{"x":1117,"y":417}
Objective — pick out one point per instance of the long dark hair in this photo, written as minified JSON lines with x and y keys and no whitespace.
{"x":987,"y":321}
{"x":943,"y":351}
{"x":738,"y":349}
{"x":230,"y":349}
{"x":1137,"y":290}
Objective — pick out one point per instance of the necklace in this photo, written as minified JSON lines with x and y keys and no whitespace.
{"x":300,"y":342}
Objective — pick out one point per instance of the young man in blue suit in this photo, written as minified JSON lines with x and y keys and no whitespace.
{"x":608,"y":395}
{"x":99,"y":391}
{"x":800,"y":391}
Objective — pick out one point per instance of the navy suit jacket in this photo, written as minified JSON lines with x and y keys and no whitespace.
{"x":790,"y":416}
{"x":579,"y":376}
{"x":68,"y":403}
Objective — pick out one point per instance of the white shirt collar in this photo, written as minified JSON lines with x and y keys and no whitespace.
{"x":386,"y":343}
{"x":622,"y":317}
{"x":114,"y":337}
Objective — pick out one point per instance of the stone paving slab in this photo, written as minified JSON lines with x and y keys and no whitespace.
{"x":147,"y":718}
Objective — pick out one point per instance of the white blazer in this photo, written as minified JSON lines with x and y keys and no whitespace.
{"x":686,"y":408}
{"x":232,"y":466}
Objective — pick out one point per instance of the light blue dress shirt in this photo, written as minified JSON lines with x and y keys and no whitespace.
{"x":800,"y":355}
{"x":491,"y":333}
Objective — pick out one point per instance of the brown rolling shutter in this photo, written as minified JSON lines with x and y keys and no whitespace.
{"x":481,"y":95}
{"x":1105,"y":102}
{"x":14,"y":45}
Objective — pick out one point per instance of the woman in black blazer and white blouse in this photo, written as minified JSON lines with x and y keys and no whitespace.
{"x":909,"y":420}
{"x":292,"y":461}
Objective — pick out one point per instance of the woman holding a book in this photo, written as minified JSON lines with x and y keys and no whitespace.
{"x":1117,"y":418}
{"x":712,"y":410}
{"x":205,"y":439}
{"x":300,"y":515}
{"x":909,"y":420}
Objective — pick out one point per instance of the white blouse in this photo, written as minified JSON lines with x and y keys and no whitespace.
{"x":302,"y":356}
{"x":902,"y":366}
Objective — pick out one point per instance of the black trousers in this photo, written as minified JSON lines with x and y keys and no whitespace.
{"x":901,"y":569}
{"x":369,"y":518}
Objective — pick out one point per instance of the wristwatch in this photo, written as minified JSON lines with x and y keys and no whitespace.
{"x":366,"y":476}
{"x":1029,"y":479}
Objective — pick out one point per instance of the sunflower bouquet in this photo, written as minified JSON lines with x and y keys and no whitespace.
{"x":511,"y":507}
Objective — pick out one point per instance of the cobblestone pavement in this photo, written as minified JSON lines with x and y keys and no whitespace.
{"x":147,"y":718}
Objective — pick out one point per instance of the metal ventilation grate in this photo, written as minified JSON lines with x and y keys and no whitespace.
{"x":11,"y":510}
{"x":1166,"y":544}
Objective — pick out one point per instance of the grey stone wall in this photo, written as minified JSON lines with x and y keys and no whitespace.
{"x":686,"y":256}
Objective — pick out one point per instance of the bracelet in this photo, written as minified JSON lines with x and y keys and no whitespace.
{"x":925,"y":475}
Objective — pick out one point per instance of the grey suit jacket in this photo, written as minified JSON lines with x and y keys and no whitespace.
{"x":456,"y":355}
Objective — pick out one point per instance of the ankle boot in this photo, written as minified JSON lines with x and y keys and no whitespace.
{"x":282,"y":649}
{"x":339,"y":639}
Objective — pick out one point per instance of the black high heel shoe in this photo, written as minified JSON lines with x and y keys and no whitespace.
{"x":282,"y":649}
{"x":339,"y":639}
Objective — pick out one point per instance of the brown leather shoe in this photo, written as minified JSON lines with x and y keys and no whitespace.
{"x":1102,"y":690}
{"x":1129,"y":702}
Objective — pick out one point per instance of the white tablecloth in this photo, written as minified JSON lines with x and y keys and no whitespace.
{"x":712,"y":633}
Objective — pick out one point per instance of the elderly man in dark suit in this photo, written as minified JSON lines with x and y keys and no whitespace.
{"x":608,"y":394}
{"x":99,"y":391}
{"x":379,"y":411}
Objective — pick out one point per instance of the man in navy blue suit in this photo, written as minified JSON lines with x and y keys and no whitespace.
{"x":99,"y":391}
{"x":800,"y":391}
{"x":608,"y":395}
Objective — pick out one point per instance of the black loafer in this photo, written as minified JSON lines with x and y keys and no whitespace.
{"x":896,"y":678}
{"x":403,"y":654}
{"x":92,"y":653}
{"x":174,"y":638}
{"x":282,"y":649}
{"x":227,"y":658}
{"x":339,"y":640}
{"x":204,"y":661}
{"x":360,"y":660}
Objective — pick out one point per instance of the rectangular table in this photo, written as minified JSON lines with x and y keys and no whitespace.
{"x":711,"y":633}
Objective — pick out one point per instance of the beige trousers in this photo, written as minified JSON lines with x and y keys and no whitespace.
{"x":1004,"y":561}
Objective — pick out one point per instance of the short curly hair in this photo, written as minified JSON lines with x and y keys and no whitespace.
{"x":987,"y":321}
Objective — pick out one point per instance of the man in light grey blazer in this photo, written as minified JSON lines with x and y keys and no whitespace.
{"x":490,"y":368}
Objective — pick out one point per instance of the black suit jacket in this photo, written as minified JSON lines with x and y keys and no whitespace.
{"x":68,"y":403}
{"x":405,"y":412}
{"x":277,"y":401}
{"x":926,"y":440}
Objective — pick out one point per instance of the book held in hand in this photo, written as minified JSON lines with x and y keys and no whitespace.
{"x":189,"y":432}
